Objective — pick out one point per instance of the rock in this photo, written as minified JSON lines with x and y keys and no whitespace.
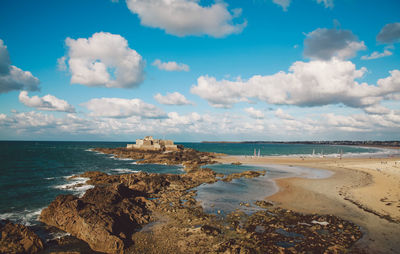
{"x":210,"y":230}
{"x":16,"y":238}
{"x":246,"y":174}
{"x":105,"y":217}
{"x":263,"y":203}
{"x":190,"y":158}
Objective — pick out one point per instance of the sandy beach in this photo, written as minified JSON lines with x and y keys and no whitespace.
{"x":365,"y":191}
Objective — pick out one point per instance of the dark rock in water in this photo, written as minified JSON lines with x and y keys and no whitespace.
{"x":190,"y":158}
{"x":263,"y":203}
{"x":105,"y":217}
{"x":16,"y":238}
{"x":245,"y":174}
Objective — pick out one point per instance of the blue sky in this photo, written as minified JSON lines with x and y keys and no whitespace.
{"x":227,"y":70}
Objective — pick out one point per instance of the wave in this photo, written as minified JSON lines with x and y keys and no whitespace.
{"x":125,"y":170}
{"x":121,"y":159}
{"x":77,"y":185}
{"x":26,"y":217}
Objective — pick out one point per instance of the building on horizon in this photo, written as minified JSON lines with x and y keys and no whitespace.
{"x":149,"y":143}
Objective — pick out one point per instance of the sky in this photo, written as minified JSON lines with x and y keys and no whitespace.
{"x":200,"y":70}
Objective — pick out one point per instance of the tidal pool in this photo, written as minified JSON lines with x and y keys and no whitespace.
{"x":224,"y":197}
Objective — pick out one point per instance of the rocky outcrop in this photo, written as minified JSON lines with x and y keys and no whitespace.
{"x":105,"y":217}
{"x":16,"y":238}
{"x":245,"y":174}
{"x":189,"y":158}
{"x":114,"y":217}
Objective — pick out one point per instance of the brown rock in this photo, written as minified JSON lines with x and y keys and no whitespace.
{"x":16,"y":238}
{"x":105,"y":217}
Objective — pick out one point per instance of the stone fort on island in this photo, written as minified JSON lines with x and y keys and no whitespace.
{"x":148,"y":143}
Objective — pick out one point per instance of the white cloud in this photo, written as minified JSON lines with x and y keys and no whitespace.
{"x":172,"y":99}
{"x":61,"y":63}
{"x":170,"y":66}
{"x":47,"y":102}
{"x":283,"y":115}
{"x":12,"y":77}
{"x":187,"y":17}
{"x":327,"y":3}
{"x":377,"y":109}
{"x":390,"y":33}
{"x":122,"y":108}
{"x":376,"y":55}
{"x":220,"y":94}
{"x":325,"y":44}
{"x":283,"y":3}
{"x":31,"y":125}
{"x":103,"y":60}
{"x":313,"y":83}
{"x":254,"y":113}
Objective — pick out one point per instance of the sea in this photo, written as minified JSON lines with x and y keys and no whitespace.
{"x":33,"y":173}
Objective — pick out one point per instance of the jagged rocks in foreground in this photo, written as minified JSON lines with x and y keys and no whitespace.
{"x":158,"y":213}
{"x":16,"y":238}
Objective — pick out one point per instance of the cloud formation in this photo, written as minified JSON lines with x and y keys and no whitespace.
{"x":283,"y":115}
{"x":390,"y":33}
{"x":187,"y":17}
{"x":376,"y":54}
{"x":254,"y":113}
{"x":122,"y":108}
{"x":283,"y":3}
{"x":47,"y":103}
{"x":104,"y":59}
{"x":174,"y":98}
{"x":314,"y":83}
{"x":327,"y":3}
{"x":206,"y":126}
{"x":170,"y":66}
{"x":12,"y":77}
{"x":325,"y":44}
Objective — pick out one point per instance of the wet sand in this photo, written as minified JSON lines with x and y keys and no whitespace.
{"x":363,"y":190}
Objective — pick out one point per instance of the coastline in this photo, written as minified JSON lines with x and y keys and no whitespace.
{"x":362,"y":190}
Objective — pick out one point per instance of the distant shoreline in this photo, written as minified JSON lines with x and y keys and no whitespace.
{"x":378,"y":144}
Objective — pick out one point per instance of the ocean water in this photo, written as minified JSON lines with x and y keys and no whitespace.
{"x":32,"y":173}
{"x":287,"y":149}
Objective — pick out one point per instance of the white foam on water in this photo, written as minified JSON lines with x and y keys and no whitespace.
{"x":58,"y":235}
{"x":122,"y":159}
{"x":26,"y":217}
{"x":77,"y":185}
{"x":125,"y":170}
